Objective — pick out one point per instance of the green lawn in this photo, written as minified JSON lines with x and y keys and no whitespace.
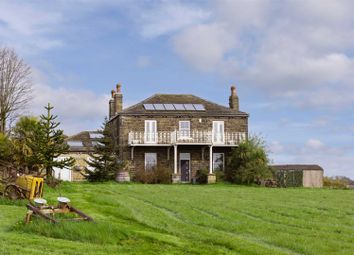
{"x":187,"y":219}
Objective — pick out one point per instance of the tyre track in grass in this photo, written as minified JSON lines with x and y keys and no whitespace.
{"x":256,"y":241}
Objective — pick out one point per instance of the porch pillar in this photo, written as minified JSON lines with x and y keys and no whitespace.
{"x":210,"y":159}
{"x":132,"y":153}
{"x":175,"y":160}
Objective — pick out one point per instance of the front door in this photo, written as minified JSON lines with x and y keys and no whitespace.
{"x":185,"y":167}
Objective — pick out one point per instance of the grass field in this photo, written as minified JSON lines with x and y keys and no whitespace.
{"x":187,"y":219}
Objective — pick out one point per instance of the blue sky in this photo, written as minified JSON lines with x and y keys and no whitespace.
{"x":291,"y":61}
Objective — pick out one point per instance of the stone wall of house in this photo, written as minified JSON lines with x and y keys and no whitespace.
{"x":79,"y":164}
{"x":312,"y":178}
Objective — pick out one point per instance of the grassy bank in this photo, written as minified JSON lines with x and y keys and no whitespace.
{"x":187,"y":219}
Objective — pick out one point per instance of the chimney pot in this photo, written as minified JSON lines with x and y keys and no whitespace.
{"x":233,"y":90}
{"x":119,"y":86}
{"x":233,"y":99}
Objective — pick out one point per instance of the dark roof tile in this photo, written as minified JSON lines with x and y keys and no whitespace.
{"x":297,"y":167}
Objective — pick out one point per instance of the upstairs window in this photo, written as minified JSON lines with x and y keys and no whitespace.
{"x":150,"y":131}
{"x":184,"y":129}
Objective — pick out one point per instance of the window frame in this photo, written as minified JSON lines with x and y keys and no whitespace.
{"x":146,"y":167}
{"x":215,"y":132}
{"x":181,"y":130}
{"x":223,"y":160}
{"x":150,"y":137}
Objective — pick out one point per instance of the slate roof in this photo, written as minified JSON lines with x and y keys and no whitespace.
{"x":86,"y":139}
{"x":297,"y":167}
{"x":211,"y":109}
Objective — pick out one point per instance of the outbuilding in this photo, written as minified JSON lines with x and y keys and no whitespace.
{"x":310,"y":176}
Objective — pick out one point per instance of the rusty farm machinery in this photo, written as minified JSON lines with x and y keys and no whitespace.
{"x":40,"y":208}
{"x":31,"y":188}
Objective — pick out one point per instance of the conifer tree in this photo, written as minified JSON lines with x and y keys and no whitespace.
{"x":104,"y":162}
{"x":49,"y":143}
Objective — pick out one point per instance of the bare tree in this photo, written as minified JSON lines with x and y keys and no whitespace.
{"x":15,"y":86}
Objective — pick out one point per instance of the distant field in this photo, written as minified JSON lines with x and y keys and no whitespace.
{"x":187,"y":219}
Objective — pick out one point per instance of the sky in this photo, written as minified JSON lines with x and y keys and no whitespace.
{"x":291,"y":61}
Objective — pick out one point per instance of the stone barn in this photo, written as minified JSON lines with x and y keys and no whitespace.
{"x":309,"y":176}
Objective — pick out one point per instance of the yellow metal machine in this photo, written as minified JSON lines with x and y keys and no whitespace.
{"x":25,"y":186}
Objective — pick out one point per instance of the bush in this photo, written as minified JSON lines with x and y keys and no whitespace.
{"x":220,"y":175}
{"x":201,"y":176}
{"x":335,"y":182}
{"x":153,"y":176}
{"x":248,"y":162}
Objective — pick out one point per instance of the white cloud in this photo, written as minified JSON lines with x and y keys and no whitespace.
{"x":27,"y":26}
{"x":314,"y":144}
{"x":204,"y":46}
{"x":77,"y":109}
{"x":169,"y":16}
{"x":276,"y":147}
{"x":289,"y":49}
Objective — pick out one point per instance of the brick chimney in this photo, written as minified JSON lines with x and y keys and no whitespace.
{"x":112,"y":105}
{"x":118,"y":99}
{"x":233,"y":99}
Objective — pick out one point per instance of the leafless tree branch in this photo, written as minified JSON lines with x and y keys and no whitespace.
{"x":15,"y":86}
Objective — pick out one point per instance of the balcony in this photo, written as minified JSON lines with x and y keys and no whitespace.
{"x":194,"y":137}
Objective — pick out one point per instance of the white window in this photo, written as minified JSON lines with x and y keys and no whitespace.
{"x":218,"y":161}
{"x":184,"y":129}
{"x":218,"y":132}
{"x":150,"y":161}
{"x":150,"y":131}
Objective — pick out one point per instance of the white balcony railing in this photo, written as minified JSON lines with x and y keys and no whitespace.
{"x":181,"y":137}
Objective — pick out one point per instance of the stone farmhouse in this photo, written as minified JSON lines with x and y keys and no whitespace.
{"x":181,"y":132}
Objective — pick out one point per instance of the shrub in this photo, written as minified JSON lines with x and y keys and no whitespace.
{"x":220,"y":175}
{"x":201,"y":176}
{"x":157,"y":175}
{"x":335,"y":182}
{"x":248,"y":162}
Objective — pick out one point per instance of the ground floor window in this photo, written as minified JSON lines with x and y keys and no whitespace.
{"x":150,"y":160}
{"x":218,"y":161}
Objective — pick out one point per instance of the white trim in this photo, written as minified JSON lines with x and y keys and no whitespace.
{"x":185,"y":156}
{"x":223,"y":160}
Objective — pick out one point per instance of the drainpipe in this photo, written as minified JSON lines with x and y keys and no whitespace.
{"x":210,"y":159}
{"x":175,"y":159}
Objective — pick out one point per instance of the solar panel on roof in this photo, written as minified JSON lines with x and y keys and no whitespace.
{"x":189,"y":107}
{"x":179,"y":107}
{"x":169,"y":107}
{"x":159,"y":107}
{"x":149,"y":107}
{"x":95,"y":135}
{"x":199,"y":107}
{"x":75,"y":143}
